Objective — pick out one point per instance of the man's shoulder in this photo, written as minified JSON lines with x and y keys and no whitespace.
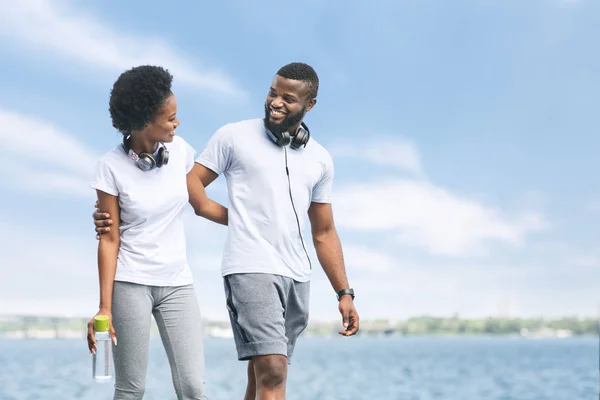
{"x":239,"y":132}
{"x":319,"y":151}
{"x":245,"y":125}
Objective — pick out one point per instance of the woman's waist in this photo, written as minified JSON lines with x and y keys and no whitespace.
{"x":152,"y":253}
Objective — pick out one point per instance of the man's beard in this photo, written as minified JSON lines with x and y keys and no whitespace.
{"x":284,"y":126}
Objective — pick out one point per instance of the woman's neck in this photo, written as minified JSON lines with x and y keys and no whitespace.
{"x":139,"y":144}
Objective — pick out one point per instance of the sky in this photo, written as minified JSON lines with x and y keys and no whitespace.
{"x":462,"y":135}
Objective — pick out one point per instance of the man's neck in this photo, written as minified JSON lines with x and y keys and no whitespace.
{"x":294,"y":129}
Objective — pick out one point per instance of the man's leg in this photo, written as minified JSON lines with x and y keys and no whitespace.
{"x":297,"y":314}
{"x":271,"y":376}
{"x":177,"y":316}
{"x":131,"y":313}
{"x":251,"y":387}
{"x":256,"y":304}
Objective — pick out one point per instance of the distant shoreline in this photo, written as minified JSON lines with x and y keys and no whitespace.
{"x":77,"y":335}
{"x":42,"y":327}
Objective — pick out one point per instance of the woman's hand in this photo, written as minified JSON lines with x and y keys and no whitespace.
{"x":91,"y":337}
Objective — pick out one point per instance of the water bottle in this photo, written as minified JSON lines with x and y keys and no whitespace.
{"x":102,"y":365}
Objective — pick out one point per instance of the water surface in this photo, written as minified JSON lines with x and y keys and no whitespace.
{"x":423,"y":368}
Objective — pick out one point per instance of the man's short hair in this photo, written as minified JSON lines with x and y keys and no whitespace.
{"x":302,"y":72}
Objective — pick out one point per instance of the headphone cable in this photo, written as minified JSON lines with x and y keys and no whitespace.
{"x":287,"y":172}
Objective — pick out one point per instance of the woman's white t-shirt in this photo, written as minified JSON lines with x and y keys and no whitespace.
{"x":153,"y":247}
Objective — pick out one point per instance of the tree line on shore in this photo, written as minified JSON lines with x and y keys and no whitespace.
{"x":412,"y":326}
{"x":499,"y":326}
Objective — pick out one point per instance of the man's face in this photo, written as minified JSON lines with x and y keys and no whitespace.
{"x":286,"y":104}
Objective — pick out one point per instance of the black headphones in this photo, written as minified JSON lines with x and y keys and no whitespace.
{"x":300,"y":139}
{"x":148,"y":161}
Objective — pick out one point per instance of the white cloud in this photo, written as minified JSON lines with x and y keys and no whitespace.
{"x":43,"y":157}
{"x":392,"y":152}
{"x":470,"y":289}
{"x":48,"y":183}
{"x":47,"y":270}
{"x":593,"y":206}
{"x":585,"y":261}
{"x":51,"y":272}
{"x":361,"y":258}
{"x":26,"y":136}
{"x":52,"y":27}
{"x":421,"y":214}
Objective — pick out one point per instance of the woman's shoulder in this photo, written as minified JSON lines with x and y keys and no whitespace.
{"x":113,"y":155}
{"x":112,"y":160}
{"x":178,"y":144}
{"x":178,"y":141}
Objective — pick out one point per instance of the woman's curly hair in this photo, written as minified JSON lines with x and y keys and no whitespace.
{"x":136,"y":97}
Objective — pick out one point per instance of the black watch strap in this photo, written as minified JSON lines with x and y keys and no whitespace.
{"x":344,"y":292}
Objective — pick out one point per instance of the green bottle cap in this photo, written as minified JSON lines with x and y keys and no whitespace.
{"x":101,"y":323}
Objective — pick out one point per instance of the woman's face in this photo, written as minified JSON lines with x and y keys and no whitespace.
{"x":162,"y":128}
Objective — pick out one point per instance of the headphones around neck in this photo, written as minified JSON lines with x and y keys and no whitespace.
{"x":148,"y":161}
{"x":300,"y":139}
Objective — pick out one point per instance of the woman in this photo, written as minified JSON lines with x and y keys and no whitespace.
{"x":143,"y":268}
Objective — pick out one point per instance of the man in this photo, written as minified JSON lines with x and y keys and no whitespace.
{"x":276,"y":174}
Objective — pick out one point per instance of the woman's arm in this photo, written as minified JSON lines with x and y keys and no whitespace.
{"x":108,"y":250}
{"x":197,"y":179}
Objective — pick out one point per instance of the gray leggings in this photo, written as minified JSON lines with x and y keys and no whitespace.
{"x":177,"y":315}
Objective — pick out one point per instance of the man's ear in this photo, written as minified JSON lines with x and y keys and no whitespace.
{"x":311,"y":104}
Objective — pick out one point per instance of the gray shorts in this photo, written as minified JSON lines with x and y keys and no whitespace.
{"x":267,"y":313}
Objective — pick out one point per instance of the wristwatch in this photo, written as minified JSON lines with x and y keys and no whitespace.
{"x":344,"y":292}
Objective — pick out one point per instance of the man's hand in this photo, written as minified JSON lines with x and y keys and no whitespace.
{"x":102,"y":222}
{"x":350,"y":317}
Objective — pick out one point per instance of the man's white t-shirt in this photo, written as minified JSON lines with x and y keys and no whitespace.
{"x":153,"y":247}
{"x":263,"y":234}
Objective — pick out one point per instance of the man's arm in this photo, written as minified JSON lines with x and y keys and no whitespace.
{"x":329,"y":252}
{"x":197,"y":179}
{"x":103,"y":221}
{"x":327,"y":244}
